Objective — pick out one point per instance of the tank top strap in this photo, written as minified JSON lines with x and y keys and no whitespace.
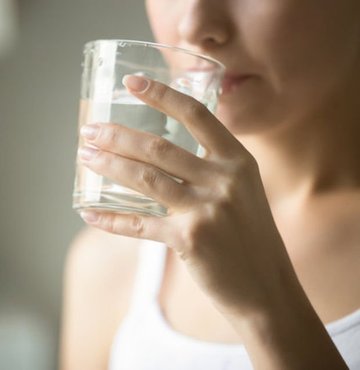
{"x":149,"y":274}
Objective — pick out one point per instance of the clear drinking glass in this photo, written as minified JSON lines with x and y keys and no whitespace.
{"x":105,"y":99}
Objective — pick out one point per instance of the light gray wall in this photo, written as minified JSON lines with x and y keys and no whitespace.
{"x":39,"y":90}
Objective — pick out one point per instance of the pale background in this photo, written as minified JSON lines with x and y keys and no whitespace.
{"x":40,"y":56}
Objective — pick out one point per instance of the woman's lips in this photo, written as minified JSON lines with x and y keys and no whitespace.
{"x":232,"y":82}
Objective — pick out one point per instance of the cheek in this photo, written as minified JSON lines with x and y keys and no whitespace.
{"x":304,"y":50}
{"x":309,"y":40}
{"x":162,"y":18}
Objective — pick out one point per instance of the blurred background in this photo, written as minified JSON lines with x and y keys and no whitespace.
{"x":40,"y":55}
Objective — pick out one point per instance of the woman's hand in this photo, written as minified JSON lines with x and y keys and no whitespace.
{"x":219,"y":223}
{"x":219,"y":219}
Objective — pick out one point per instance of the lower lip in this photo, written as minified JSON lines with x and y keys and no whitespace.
{"x":229,"y":84}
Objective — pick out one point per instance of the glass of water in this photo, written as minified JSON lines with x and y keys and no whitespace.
{"x":105,"y":99}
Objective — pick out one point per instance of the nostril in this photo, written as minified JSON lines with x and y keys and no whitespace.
{"x":212,"y":41}
{"x":204,"y":32}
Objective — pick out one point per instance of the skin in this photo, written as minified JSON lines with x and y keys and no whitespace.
{"x":281,"y":159}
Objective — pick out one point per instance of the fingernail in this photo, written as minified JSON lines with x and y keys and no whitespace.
{"x":86,"y":153}
{"x":90,"y":131}
{"x":89,"y":216}
{"x":136,"y":83}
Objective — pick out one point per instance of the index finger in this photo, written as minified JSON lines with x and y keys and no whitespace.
{"x":200,"y":122}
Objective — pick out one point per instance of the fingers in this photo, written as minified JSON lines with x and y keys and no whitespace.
{"x":132,"y":225}
{"x":147,"y":148}
{"x":201,"y":123}
{"x":138,"y":176}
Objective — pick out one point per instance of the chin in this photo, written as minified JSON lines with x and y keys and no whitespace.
{"x":251,"y":118}
{"x":239,"y":121}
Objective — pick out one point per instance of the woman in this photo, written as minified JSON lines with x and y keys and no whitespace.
{"x":262,"y":261}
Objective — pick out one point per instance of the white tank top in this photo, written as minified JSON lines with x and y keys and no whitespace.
{"x":145,"y":341}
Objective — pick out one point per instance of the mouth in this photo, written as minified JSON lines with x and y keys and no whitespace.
{"x":232,"y":82}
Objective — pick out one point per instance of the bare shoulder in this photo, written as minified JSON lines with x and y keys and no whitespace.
{"x":102,"y":264}
{"x":98,"y":280}
{"x":98,"y":251}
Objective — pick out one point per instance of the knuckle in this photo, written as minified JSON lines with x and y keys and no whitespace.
{"x":223,"y":208}
{"x":137,"y":225}
{"x":218,"y":210}
{"x":109,"y":136}
{"x":109,"y":223}
{"x":234,"y":181}
{"x":158,"y":92}
{"x":104,"y":160}
{"x":227,"y":190}
{"x":244,"y":166}
{"x":195,"y":110}
{"x":158,"y":148}
{"x":149,"y":177}
{"x":193,"y":233}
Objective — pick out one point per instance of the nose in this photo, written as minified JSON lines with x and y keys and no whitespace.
{"x":204,"y":24}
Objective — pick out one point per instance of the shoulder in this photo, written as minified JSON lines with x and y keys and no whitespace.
{"x":99,"y":274}
{"x":101,"y":263}
{"x":94,"y":252}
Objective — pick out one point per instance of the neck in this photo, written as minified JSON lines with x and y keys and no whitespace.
{"x":304,"y":159}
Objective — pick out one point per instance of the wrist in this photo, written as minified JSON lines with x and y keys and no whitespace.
{"x":286,"y":333}
{"x":283,"y":303}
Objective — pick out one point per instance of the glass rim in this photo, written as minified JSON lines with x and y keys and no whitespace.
{"x":91,"y":44}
